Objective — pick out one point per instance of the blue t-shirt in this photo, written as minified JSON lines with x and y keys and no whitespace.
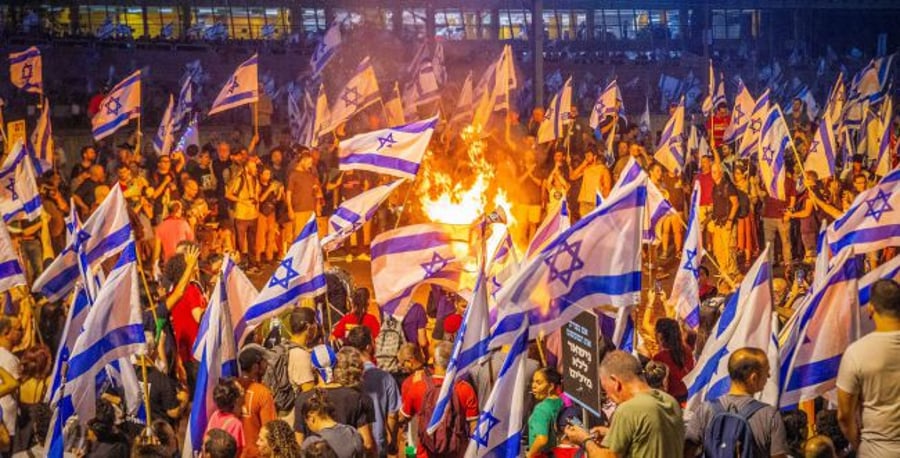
{"x":414,"y":320}
{"x":382,"y":389}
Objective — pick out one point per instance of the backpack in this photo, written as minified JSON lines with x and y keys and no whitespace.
{"x":728,"y":433}
{"x":277,"y":378}
{"x":452,"y":436}
{"x":743,"y":205}
{"x":388,"y":343}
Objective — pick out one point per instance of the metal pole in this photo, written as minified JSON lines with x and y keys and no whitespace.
{"x":537,"y":22}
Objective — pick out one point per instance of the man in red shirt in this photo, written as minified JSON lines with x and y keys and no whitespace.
{"x":186,"y":303}
{"x":413,"y":394}
{"x":717,"y":123}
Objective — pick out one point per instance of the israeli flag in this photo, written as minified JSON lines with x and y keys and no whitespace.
{"x":237,"y":293}
{"x":498,"y":432}
{"x":890,"y":269}
{"x":774,"y":142}
{"x":20,"y":196}
{"x":300,"y":274}
{"x":670,"y":150}
{"x":393,"y":108}
{"x":746,"y":321}
{"x":465,"y":105}
{"x":11,"y":272}
{"x":360,"y":92}
{"x":871,"y":223}
{"x":740,"y":115}
{"x":822,"y":150}
{"x":750,"y":138}
{"x":42,"y":140}
{"x":241,"y":89}
{"x":657,"y":206}
{"x":190,"y":136}
{"x":823,"y":256}
{"x":503,"y":265}
{"x":186,"y":103}
{"x":217,"y":355}
{"x":322,"y":116}
{"x":557,"y":115}
{"x":353,"y":213}
{"x":105,"y":234}
{"x":871,"y":82}
{"x":121,"y":104}
{"x":685,"y":289}
{"x":709,"y":102}
{"x":883,"y":163}
{"x":404,"y":258}
{"x":555,"y":223}
{"x":826,"y":324}
{"x":26,"y":70}
{"x":162,"y":141}
{"x":805,"y":95}
{"x":834,"y":109}
{"x":609,"y":104}
{"x":424,"y":88}
{"x":396,"y":151}
{"x":325,"y":49}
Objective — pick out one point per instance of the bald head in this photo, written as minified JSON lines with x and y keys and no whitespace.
{"x":621,"y":365}
{"x":819,"y":447}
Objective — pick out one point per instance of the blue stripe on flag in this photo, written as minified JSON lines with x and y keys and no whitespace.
{"x":290,"y":295}
{"x":814,"y":373}
{"x":407,"y":243}
{"x":235,"y":99}
{"x":121,"y":337}
{"x":378,"y":160}
{"x":10,"y":268}
{"x":706,"y":374}
{"x":868,"y":235}
{"x":114,"y":123}
{"x":23,"y":56}
{"x":416,"y":127}
{"x":347,"y":215}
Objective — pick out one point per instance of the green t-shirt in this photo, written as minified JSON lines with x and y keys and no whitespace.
{"x":649,"y":425}
{"x":541,"y":421}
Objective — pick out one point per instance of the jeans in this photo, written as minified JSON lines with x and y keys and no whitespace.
{"x":771,"y":226}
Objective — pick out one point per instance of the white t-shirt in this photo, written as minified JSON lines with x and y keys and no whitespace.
{"x":871,"y":367}
{"x":9,"y":363}
{"x":300,"y":368}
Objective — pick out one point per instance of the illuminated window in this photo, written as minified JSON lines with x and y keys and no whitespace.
{"x":313,"y":19}
{"x":131,"y":16}
{"x":448,"y":24}
{"x":212,"y":23}
{"x":347,"y":18}
{"x":90,"y":18}
{"x":414,"y":22}
{"x":514,"y":24}
{"x":164,"y":16}
{"x":734,"y":24}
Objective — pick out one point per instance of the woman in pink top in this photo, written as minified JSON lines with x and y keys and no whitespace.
{"x":227,"y":396}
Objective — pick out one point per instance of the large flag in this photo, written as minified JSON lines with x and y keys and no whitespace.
{"x":750,"y":138}
{"x":885,"y":151}
{"x":827,"y":322}
{"x":217,"y":356}
{"x":404,"y":258}
{"x":494,"y":89}
{"x":656,"y":204}
{"x":571,"y":275}
{"x":121,"y":104}
{"x":237,"y":294}
{"x":11,"y":273}
{"x":609,"y":104}
{"x":185,"y":105}
{"x":242,"y":87}
{"x":498,"y":432}
{"x":165,"y":134}
{"x":301,"y":274}
{"x":19,"y":193}
{"x":322,"y":116}
{"x":555,"y":223}
{"x":670,"y":150}
{"x":104,"y":234}
{"x":353,"y":213}
{"x":325,"y":49}
{"x":394,"y":108}
{"x":42,"y":139}
{"x":685,"y":288}
{"x":822,"y":150}
{"x":834,"y":109}
{"x":871,"y":223}
{"x":25,"y":70}
{"x":774,"y":143}
{"x":715,"y":93}
{"x":360,"y":92}
{"x":740,"y":115}
{"x":746,"y":321}
{"x":557,"y":114}
{"x":396,"y":151}
{"x":891,"y":270}
{"x":871,"y":82}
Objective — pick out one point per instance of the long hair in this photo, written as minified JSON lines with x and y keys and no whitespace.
{"x":280,"y":436}
{"x":670,"y":339}
{"x":348,"y":371}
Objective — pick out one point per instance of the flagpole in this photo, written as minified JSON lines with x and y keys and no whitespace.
{"x":147,"y":430}
{"x":403,"y":205}
{"x":146,"y":286}
{"x":710,"y":258}
{"x":256,"y":118}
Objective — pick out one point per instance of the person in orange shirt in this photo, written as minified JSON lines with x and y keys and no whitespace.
{"x":259,"y":404}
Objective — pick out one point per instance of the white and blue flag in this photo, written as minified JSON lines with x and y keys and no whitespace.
{"x":555,"y":223}
{"x":644,"y":121}
{"x":823,"y":256}
{"x":685,"y":288}
{"x":809,"y":102}
{"x":237,"y":294}
{"x":301,"y":274}
{"x":20,"y":196}
{"x":834,"y":109}
{"x":827,"y":322}
{"x":25,"y":70}
{"x":871,"y":223}
{"x":11,"y":272}
{"x":740,"y":115}
{"x":890,"y":269}
{"x":885,"y":151}
{"x":121,"y":104}
{"x":871,"y":83}
{"x":657,"y":206}
{"x":240,"y":89}
{"x":712,"y":95}
{"x":184,"y":107}
{"x":105,"y":233}
{"x":609,"y":104}
{"x":190,"y":136}
{"x":750,"y":138}
{"x":396,"y":151}
{"x":670,"y":150}
{"x":42,"y":139}
{"x":360,"y":92}
{"x":353,"y":213}
{"x":165,"y":134}
{"x":557,"y":115}
{"x":820,"y":158}
{"x":774,"y":143}
{"x":746,"y":321}
{"x":325,"y":49}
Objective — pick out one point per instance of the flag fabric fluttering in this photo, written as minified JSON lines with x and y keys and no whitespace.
{"x":353,"y":213}
{"x":360,"y":92}
{"x":709,"y":103}
{"x":301,"y":274}
{"x":820,"y":158}
{"x":190,"y":136}
{"x":740,"y":115}
{"x":240,"y":293}
{"x":644,"y":123}
{"x":396,"y":151}
{"x":165,"y":134}
{"x":26,"y":70}
{"x":241,"y":88}
{"x":184,"y":107}
{"x":890,"y":269}
{"x":404,"y":258}
{"x":322,"y":116}
{"x":42,"y":139}
{"x":555,"y":223}
{"x":827,"y":322}
{"x":834,"y":108}
{"x":325,"y":49}
{"x":670,"y":150}
{"x":494,"y":89}
{"x":610,"y":104}
{"x":558,"y":112}
{"x":809,"y":102}
{"x":393,"y":108}
{"x":465,"y":105}
{"x":746,"y":321}
{"x":11,"y":272}
{"x":823,"y":256}
{"x":750,"y":138}
{"x":685,"y":288}
{"x":871,"y":222}
{"x":121,"y":104}
{"x":774,"y":143}
{"x":871,"y":83}
{"x":20,"y":196}
{"x":657,"y":206}
{"x":885,"y":151}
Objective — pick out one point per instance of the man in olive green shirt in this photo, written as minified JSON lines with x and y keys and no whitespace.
{"x":647,"y":422}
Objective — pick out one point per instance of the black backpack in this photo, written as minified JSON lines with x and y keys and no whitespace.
{"x":451,"y":437}
{"x":728,"y":434}
{"x":277,"y":378}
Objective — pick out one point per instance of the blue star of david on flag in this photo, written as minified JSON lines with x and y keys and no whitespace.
{"x":436,"y":264}
{"x":600,"y":106}
{"x":233,"y":85}
{"x":113,"y":106}
{"x":879,"y":205}
{"x":289,"y":274}
{"x":575,"y":263}
{"x":27,"y":71}
{"x":351,"y":97}
{"x":486,"y":423}
{"x":813,"y":145}
{"x":11,"y":186}
{"x":387,"y":140}
{"x":738,"y":114}
{"x":755,"y":125}
{"x":768,"y":155}
{"x":81,"y":239}
{"x":689,"y":264}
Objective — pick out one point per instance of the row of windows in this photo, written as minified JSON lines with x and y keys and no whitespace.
{"x":449,"y":23}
